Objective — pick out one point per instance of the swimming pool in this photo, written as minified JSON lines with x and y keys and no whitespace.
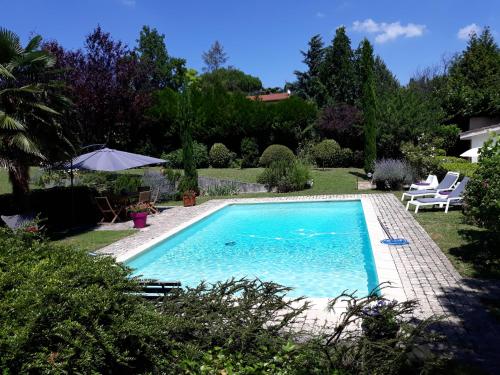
{"x":318,"y":248}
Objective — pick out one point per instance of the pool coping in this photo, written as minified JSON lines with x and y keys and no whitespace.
{"x":385,"y":266}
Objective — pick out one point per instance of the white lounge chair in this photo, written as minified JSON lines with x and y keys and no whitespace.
{"x":430,"y":183}
{"x":449,"y":181}
{"x":440,"y":199}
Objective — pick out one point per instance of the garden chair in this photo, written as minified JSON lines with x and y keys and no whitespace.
{"x":449,"y":181}
{"x":430,"y":183}
{"x":107,"y":210}
{"x":144,"y":197}
{"x":154,"y":198}
{"x":454,"y":197}
{"x":22,"y":221}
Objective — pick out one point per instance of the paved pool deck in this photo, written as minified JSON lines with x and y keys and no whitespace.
{"x":423,"y":271}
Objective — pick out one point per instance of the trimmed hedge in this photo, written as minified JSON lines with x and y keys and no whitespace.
{"x":275,"y":153}
{"x":465,"y":169}
{"x":55,"y":205}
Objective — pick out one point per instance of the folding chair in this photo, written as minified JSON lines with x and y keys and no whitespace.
{"x":107,"y":210}
{"x":154,"y":198}
{"x":144,"y":197}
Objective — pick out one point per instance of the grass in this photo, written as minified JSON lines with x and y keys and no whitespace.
{"x":91,"y":240}
{"x":327,"y":181}
{"x":470,"y":249}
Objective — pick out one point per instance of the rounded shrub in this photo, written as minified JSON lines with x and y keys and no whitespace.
{"x":327,"y":153}
{"x":275,"y":153}
{"x":219,"y":155}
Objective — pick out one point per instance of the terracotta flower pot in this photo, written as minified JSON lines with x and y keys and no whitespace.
{"x":139,"y":219}
{"x":189,"y":199}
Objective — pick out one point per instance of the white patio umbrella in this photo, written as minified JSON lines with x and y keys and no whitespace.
{"x":472,"y":153}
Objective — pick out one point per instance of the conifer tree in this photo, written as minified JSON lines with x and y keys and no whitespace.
{"x":189,"y":181}
{"x":338,"y":72}
{"x":368,"y":105}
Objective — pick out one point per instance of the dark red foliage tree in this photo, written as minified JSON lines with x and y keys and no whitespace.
{"x":342,"y":123}
{"x":108,"y":87}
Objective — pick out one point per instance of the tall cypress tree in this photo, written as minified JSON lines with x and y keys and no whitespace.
{"x":368,"y":104}
{"x":338,"y":72}
{"x":189,"y":181}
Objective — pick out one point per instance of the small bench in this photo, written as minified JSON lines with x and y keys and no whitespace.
{"x":154,"y":289}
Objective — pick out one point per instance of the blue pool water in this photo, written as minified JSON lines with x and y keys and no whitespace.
{"x":318,"y":248}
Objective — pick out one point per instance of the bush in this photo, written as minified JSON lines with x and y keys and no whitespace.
{"x":55,"y":204}
{"x":285,"y":176}
{"x":220,"y":156}
{"x":327,"y":154}
{"x":392,"y":174}
{"x":483,"y":191}
{"x":276,"y":153}
{"x":249,"y":153}
{"x":346,"y":158}
{"x":62,"y":310}
{"x":126,"y":183}
{"x":108,"y":182}
{"x":200,"y":156}
{"x":358,"y":159}
{"x":424,"y":160}
{"x":465,"y":169}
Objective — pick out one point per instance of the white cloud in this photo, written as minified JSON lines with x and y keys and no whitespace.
{"x":129,"y":3}
{"x":388,"y":31}
{"x":320,"y":15}
{"x":465,"y":32}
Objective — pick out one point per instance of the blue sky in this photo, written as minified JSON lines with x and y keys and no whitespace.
{"x":264,"y":38}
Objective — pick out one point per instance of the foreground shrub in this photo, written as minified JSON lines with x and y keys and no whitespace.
{"x":392,"y":174}
{"x":249,"y":153}
{"x":62,"y":310}
{"x":275,"y":153}
{"x":220,"y":156}
{"x":326,"y":153}
{"x":483,"y":191}
{"x":285,"y":176}
{"x":200,"y":156}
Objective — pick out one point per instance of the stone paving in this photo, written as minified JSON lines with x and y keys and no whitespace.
{"x":425,"y":272}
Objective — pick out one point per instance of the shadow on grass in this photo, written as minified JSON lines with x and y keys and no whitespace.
{"x":475,"y":335}
{"x":60,"y":235}
{"x":481,"y":251}
{"x":359,"y":175}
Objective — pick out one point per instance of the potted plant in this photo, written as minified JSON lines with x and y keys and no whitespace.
{"x":189,"y":198}
{"x":139,"y":214}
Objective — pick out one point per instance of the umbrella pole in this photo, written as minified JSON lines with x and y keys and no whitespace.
{"x":71,"y":177}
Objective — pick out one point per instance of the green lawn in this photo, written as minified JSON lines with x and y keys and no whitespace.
{"x":469,"y":248}
{"x":91,"y":240}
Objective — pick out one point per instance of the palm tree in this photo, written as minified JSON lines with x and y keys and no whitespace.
{"x":29,"y":125}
